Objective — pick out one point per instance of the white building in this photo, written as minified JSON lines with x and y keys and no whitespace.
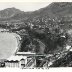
{"x":21,"y":60}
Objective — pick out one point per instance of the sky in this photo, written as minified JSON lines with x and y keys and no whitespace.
{"x":24,"y":6}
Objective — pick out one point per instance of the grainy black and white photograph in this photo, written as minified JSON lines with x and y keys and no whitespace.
{"x":35,"y":34}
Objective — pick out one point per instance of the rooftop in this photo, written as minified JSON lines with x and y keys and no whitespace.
{"x":25,"y":53}
{"x":14,"y":58}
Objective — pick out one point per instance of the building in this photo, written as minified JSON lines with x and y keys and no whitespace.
{"x":21,"y":60}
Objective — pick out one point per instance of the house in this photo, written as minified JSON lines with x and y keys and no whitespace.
{"x":21,"y":60}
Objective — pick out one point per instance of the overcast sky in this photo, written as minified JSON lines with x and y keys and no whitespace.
{"x":24,"y":6}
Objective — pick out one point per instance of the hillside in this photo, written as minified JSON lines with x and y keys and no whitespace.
{"x":9,"y":12}
{"x":44,"y":31}
{"x":53,"y":10}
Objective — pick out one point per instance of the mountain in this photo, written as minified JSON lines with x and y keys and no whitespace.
{"x":40,"y":40}
{"x":55,"y":9}
{"x":9,"y":12}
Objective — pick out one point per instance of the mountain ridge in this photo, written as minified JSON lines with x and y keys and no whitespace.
{"x":9,"y":12}
{"x":53,"y":10}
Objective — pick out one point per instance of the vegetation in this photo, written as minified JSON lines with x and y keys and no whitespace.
{"x":45,"y":31}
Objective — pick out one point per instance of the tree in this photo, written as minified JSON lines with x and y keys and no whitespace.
{"x":24,"y":43}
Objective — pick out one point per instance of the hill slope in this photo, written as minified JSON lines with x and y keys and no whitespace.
{"x":55,"y":9}
{"x":9,"y":12}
